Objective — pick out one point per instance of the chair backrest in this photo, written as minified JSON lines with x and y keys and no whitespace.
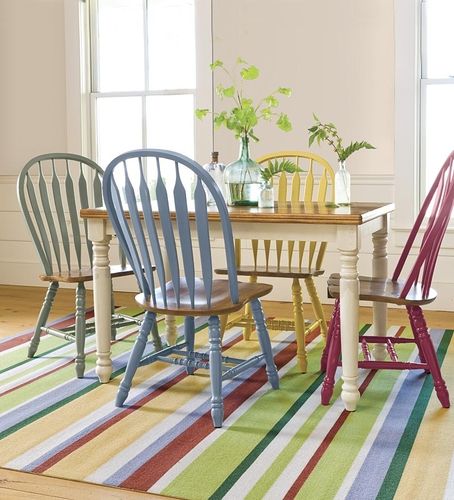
{"x":149,"y":194}
{"x":51,"y":189}
{"x":315,"y":183}
{"x":440,"y":199}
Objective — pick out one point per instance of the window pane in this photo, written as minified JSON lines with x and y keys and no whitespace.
{"x":119,"y":126}
{"x":171,"y":37}
{"x":439,"y":38}
{"x":120,"y":45}
{"x":438,"y":129}
{"x":170,"y":120}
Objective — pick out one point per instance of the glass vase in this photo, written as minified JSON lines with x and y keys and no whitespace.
{"x":266,"y":195}
{"x":342,"y":185}
{"x":242,"y":178}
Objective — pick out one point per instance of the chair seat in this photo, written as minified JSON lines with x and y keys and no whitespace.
{"x":383,"y":290}
{"x":275,"y":271}
{"x":85,"y":274}
{"x":220,"y":298}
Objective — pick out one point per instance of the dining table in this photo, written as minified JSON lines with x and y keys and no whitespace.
{"x":344,"y":228}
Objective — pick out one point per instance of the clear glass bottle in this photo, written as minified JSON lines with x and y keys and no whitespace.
{"x":242,"y":178}
{"x":342,"y":185}
{"x":266,"y":195}
{"x":216,"y":170}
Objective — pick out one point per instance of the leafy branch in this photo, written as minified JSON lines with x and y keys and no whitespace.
{"x":245,"y":115}
{"x":327,"y":132}
{"x":277,"y":167}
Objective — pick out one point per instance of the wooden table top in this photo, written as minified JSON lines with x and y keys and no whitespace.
{"x":294,"y":213}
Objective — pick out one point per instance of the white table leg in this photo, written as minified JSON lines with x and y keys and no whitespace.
{"x":349,"y":314}
{"x":170,"y":321}
{"x":102,"y":297}
{"x":171,"y":330}
{"x":380,"y":270}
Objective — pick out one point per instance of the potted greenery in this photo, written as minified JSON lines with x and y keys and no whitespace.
{"x":327,"y":132}
{"x":242,"y":177}
{"x":266,"y":194}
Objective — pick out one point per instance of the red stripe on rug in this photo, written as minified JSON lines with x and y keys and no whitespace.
{"x":105,"y":425}
{"x":63,"y":365}
{"x":310,"y":466}
{"x":25,"y":337}
{"x":116,"y":418}
{"x":152,"y":470}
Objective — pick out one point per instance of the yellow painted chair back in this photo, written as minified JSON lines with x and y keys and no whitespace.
{"x":292,"y":259}
{"x":314,"y":184}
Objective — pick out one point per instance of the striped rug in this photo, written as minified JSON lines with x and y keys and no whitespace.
{"x":274,"y":444}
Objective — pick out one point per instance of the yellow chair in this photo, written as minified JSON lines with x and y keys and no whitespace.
{"x":315,"y":183}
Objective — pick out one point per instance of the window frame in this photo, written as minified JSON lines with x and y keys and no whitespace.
{"x":407,"y":115}
{"x":407,"y":123}
{"x":81,"y":121}
{"x":425,"y":83}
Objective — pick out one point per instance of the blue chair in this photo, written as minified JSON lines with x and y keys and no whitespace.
{"x":157,"y":203}
{"x":51,"y":190}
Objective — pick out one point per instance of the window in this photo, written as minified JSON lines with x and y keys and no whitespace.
{"x":437,"y":87}
{"x":143,"y":76}
{"x":424,"y":96}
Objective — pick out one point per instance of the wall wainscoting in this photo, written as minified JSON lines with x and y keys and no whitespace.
{"x":20,"y":266}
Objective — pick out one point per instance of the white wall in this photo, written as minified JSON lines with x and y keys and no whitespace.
{"x":32,"y":82}
{"x":337,"y":56}
{"x":32,"y":116}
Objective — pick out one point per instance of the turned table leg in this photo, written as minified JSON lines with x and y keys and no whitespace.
{"x":348,"y":245}
{"x":380,"y":270}
{"x":102,"y":297}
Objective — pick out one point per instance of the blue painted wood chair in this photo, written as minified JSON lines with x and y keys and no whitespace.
{"x":150,"y":195}
{"x":51,"y":190}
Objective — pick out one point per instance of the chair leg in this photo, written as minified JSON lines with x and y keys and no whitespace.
{"x":248,"y":315}
{"x":134,"y":358}
{"x":413,"y":329}
{"x":80,"y":330}
{"x":298,"y":316}
{"x":42,"y":317}
{"x":316,"y":306}
{"x":189,"y":334}
{"x":113,"y":329}
{"x":333,"y":356}
{"x":329,"y":336}
{"x":157,"y":342}
{"x":223,"y":319}
{"x":265,"y":343}
{"x":217,"y":404}
{"x":418,"y":322}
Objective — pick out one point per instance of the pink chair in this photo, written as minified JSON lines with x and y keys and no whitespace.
{"x":411,"y":293}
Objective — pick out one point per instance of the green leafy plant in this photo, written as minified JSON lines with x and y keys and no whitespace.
{"x":327,"y":132}
{"x":244,"y":115}
{"x":276,"y":167}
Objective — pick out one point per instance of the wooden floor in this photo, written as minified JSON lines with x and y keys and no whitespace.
{"x":19,"y":307}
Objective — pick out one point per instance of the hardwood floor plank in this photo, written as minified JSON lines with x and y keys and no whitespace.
{"x":14,"y":485}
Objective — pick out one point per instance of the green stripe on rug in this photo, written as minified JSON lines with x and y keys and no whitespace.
{"x":238,"y":449}
{"x":392,"y":478}
{"x":345,"y":446}
{"x":66,"y":374}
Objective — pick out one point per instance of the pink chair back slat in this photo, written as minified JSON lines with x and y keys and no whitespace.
{"x":420,"y":218}
{"x":441,"y":195}
{"x":431,"y":261}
